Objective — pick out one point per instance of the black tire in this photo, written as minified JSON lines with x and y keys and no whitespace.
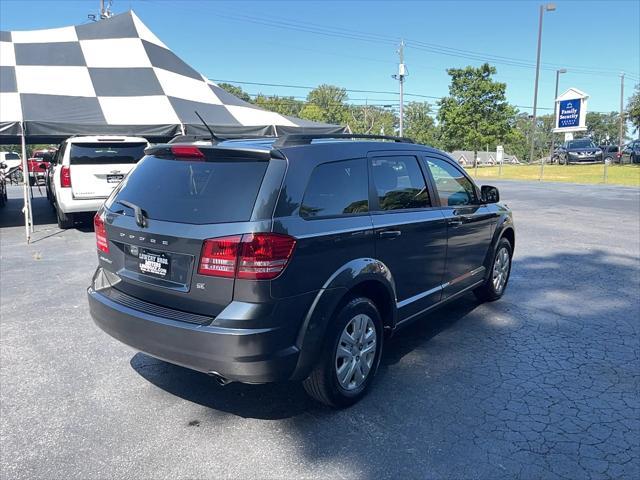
{"x":323,"y":384}
{"x":65,"y":220}
{"x":32,"y":181}
{"x":487,"y":292}
{"x":565,"y":160}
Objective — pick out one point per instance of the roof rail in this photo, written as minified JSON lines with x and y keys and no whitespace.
{"x":294,"y":139}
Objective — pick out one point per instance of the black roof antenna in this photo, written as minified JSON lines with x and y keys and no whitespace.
{"x":214,"y":137}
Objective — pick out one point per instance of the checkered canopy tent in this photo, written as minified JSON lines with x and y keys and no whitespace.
{"x":116,"y":77}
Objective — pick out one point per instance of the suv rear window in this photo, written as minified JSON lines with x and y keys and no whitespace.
{"x":106,"y":153}
{"x":192,"y":192}
{"x":12,"y":156}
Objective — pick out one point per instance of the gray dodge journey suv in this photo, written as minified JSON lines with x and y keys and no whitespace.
{"x":291,"y":259}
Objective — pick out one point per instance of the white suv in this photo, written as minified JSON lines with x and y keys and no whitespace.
{"x":86,"y":170}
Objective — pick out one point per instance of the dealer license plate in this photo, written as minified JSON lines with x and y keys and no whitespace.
{"x":156,"y":264}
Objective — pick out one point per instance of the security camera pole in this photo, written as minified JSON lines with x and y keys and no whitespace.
{"x":400,"y":77}
{"x":549,"y":7}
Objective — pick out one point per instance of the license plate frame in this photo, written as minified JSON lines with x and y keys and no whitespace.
{"x":154,"y":263}
{"x":117,"y":178}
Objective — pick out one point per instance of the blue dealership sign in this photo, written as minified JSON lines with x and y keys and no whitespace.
{"x":569,"y":114}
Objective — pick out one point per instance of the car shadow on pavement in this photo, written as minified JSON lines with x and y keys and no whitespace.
{"x":284,"y":399}
{"x":540,"y":384}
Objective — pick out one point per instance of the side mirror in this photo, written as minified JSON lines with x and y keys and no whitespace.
{"x":489,"y":194}
{"x":3,"y":166}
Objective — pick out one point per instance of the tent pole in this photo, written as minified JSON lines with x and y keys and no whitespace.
{"x":28,"y":224}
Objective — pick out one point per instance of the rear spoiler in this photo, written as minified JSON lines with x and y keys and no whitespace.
{"x":211,"y":153}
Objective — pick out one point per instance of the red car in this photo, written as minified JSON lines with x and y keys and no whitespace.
{"x":38,"y":164}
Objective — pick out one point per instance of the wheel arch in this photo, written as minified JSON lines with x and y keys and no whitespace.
{"x":366,"y":277}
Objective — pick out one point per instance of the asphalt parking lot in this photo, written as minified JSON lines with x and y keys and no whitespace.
{"x":542,"y":384}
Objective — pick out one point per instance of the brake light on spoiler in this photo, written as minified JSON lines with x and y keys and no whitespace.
{"x":253,"y":256}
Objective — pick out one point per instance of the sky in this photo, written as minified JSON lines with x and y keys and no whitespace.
{"x":353,"y":44}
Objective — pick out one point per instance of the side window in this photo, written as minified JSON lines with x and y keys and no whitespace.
{"x":337,"y":188}
{"x":452,"y":186}
{"x":399,"y":183}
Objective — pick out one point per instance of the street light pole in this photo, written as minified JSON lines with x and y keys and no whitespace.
{"x":549,"y":7}
{"x":558,"y":72}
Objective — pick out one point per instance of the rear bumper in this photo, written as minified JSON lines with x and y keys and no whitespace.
{"x":243,"y":355}
{"x":68,"y":204}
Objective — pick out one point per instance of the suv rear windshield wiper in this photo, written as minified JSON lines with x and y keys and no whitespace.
{"x":140,"y":214}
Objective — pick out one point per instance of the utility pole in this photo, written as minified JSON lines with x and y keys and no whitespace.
{"x":549,"y":7}
{"x":105,"y":11}
{"x":402,"y":72}
{"x":620,"y":137}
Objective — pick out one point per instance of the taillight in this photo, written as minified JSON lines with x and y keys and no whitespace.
{"x":190,"y":152}
{"x":102,"y":240}
{"x":65,"y":176}
{"x":263,"y":256}
{"x":219,"y":256}
{"x":253,"y":256}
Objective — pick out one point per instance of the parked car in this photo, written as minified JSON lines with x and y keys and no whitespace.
{"x":3,"y":185}
{"x":85,"y":171}
{"x":610,"y":152}
{"x":11,"y":160}
{"x":262,"y":261}
{"x":631,"y":152}
{"x":582,"y":150}
{"x":38,"y":164}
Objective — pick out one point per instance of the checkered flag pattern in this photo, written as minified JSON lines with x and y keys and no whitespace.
{"x":116,"y":76}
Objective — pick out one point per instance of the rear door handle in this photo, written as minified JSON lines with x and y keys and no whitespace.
{"x":389,"y":233}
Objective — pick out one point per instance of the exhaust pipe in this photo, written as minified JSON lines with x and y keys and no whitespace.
{"x":222,"y":381}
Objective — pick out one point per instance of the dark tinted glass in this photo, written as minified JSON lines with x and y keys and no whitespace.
{"x":452,"y":186}
{"x":338,"y":188}
{"x":12,"y":156}
{"x":582,"y":143}
{"x":106,"y":153}
{"x":192,"y":192}
{"x":399,"y":183}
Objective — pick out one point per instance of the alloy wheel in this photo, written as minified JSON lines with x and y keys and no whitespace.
{"x":356,"y":352}
{"x":501,"y":270}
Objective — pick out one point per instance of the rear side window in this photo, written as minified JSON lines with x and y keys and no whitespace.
{"x":337,"y":188}
{"x":399,"y":183}
{"x":192,"y":192}
{"x":12,"y":156}
{"x":105,"y":153}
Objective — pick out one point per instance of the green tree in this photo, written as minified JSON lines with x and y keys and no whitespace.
{"x":419,"y":123}
{"x":633,"y":110}
{"x":282,"y":105}
{"x":235,"y":90}
{"x":517,"y":140}
{"x":368,"y":119}
{"x":476,"y":112}
{"x":601,"y":126}
{"x":313,"y":112}
{"x":331,"y":101}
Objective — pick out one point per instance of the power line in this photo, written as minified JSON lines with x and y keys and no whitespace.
{"x":385,"y":102}
{"x":338,"y":32}
{"x":306,"y":87}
